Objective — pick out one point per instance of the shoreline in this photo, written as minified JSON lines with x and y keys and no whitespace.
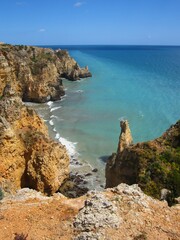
{"x":85,"y":176}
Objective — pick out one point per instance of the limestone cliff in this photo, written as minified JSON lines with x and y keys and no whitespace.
{"x":154,"y":165}
{"x":28,"y":157}
{"x":35,"y":73}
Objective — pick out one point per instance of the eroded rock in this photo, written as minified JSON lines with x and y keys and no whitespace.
{"x":125,"y":138}
{"x":28,"y":157}
{"x":139,"y":216}
{"x":97,"y":214}
{"x":35,"y":73}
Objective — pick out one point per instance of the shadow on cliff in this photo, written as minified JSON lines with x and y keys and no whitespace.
{"x":104,"y":158}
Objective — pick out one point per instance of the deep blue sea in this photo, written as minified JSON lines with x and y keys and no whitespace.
{"x":137,"y":83}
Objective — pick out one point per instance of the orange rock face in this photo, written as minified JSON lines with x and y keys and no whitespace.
{"x":28,"y":157}
{"x":35,"y":72}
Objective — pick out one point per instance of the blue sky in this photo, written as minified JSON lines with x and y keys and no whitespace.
{"x":39,"y":22}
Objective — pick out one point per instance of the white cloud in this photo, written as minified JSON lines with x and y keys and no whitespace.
{"x":42,"y":30}
{"x":78,"y":4}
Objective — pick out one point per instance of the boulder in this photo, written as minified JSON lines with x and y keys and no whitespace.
{"x":97,"y":214}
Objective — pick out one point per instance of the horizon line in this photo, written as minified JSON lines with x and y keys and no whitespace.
{"x":133,"y":45}
{"x":175,"y":45}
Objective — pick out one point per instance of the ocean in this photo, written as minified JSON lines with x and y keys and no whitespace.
{"x":137,"y":83}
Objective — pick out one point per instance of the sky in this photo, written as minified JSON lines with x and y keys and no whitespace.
{"x":76,"y":22}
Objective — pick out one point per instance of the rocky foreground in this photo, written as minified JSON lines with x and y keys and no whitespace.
{"x":36,"y":73}
{"x":123,"y":212}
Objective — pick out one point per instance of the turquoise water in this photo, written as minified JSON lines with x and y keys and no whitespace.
{"x":140,"y":84}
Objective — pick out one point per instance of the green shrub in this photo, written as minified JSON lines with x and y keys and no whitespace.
{"x":62,"y":53}
{"x":152,"y":189}
{"x":173,"y":181}
{"x":1,"y":194}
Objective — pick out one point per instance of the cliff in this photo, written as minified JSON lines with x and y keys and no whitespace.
{"x":123,"y":212}
{"x":28,"y":157}
{"x":35,"y":73}
{"x":153,"y":165}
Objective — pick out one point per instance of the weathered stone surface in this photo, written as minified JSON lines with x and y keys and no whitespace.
{"x":35,"y":72}
{"x":138,"y":216}
{"x":48,"y":164}
{"x":25,"y":194}
{"x":77,"y":73}
{"x":125,"y":138}
{"x":89,"y":236}
{"x":28,"y":157}
{"x":98,"y":213}
{"x":154,"y":165}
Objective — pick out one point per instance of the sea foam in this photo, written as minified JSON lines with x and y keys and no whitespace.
{"x":70,"y":146}
{"x":53,"y":116}
{"x":49,"y":103}
{"x":51,"y":122}
{"x":55,"y":108}
{"x":57,"y":136}
{"x":79,"y":91}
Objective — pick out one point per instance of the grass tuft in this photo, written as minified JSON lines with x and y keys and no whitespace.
{"x":21,"y":236}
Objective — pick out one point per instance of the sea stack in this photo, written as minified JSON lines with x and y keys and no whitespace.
{"x":125,"y":138}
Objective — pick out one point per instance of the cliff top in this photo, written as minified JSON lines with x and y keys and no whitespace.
{"x":124,"y":212}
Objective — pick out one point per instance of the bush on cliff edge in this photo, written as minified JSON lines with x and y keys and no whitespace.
{"x":1,"y":194}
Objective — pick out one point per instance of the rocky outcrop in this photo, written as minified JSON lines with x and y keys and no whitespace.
{"x":123,"y":212}
{"x":28,"y":157}
{"x":35,"y":73}
{"x":125,"y":138}
{"x":97,"y":214}
{"x":77,"y":73}
{"x":154,"y":165}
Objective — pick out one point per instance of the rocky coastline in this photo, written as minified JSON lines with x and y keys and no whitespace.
{"x":36,"y":73}
{"x":30,"y":159}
